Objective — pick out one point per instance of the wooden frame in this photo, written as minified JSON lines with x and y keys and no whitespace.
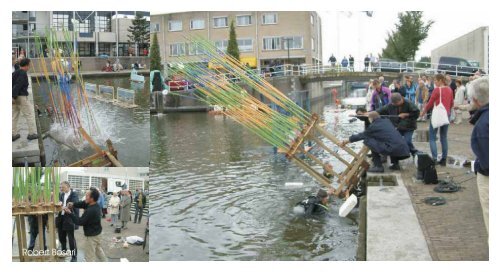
{"x":20,"y":212}
{"x":347,"y":179}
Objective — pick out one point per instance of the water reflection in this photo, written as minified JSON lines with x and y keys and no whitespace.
{"x":218,"y":193}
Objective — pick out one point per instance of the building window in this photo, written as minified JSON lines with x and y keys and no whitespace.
{"x":155,"y":27}
{"x":245,"y":45}
{"x":221,"y":45}
{"x":272,"y":43}
{"x":135,"y":184}
{"x":243,"y":20}
{"x":312,"y":43}
{"x":175,"y":25}
{"x":195,"y":49}
{"x":105,"y":48}
{"x":83,"y":26}
{"x":177,"y":49}
{"x":220,"y":22}
{"x":295,"y":42}
{"x":79,"y":182}
{"x":103,"y":22}
{"x":197,"y":24}
{"x":60,"y":21}
{"x":312,"y":20}
{"x":269,"y":18}
{"x":86,"y":49}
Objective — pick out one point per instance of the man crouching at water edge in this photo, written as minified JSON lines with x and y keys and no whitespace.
{"x":91,"y":222}
{"x":383,"y":139}
{"x":315,"y":205}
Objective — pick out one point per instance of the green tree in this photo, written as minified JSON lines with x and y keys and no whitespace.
{"x":411,"y":31}
{"x":232,"y":44}
{"x":139,"y":31}
{"x":424,"y":62}
{"x":154,"y":54}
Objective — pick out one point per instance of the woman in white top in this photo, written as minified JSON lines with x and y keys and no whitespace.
{"x":114,"y":208}
{"x":459,"y":100}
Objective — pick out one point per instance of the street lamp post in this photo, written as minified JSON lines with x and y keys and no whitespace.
{"x":288,"y":48}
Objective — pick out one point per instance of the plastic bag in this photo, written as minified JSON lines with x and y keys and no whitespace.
{"x":439,"y":116}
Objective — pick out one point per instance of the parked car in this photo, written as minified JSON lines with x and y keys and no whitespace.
{"x":390,"y":65}
{"x":457,"y":66}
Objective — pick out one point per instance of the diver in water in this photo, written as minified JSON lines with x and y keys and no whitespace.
{"x":315,"y":205}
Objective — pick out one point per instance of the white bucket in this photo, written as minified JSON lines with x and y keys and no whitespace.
{"x":348,"y":205}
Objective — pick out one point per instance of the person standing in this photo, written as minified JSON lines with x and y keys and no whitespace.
{"x":480,"y":141}
{"x":409,"y":89}
{"x":398,"y":88}
{"x":421,"y":96}
{"x":458,"y":101}
{"x":114,"y":208}
{"x":442,"y":93}
{"x":65,"y":225}
{"x":125,"y":202}
{"x":140,"y":203}
{"x":380,"y":97}
{"x":20,"y":102}
{"x":91,"y":222}
{"x":344,"y":63}
{"x":367,"y":62}
{"x":351,"y":62}
{"x":404,"y":116}
{"x":451,"y":83}
{"x":332,"y":60}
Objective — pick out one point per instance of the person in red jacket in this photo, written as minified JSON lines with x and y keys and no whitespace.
{"x":444,"y":92}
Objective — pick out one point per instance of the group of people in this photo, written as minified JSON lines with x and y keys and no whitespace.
{"x":393,"y":116}
{"x":370,"y":62}
{"x":94,"y":205}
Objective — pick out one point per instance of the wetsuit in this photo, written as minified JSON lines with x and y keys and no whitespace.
{"x":313,"y":207}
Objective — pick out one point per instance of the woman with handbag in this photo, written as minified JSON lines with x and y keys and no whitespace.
{"x":442,"y":101}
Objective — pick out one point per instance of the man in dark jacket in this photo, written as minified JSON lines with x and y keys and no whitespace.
{"x":91,"y":222}
{"x":140,"y":203}
{"x":315,"y":205}
{"x":399,"y":89}
{"x":480,"y":141}
{"x":403,"y":115}
{"x":20,"y":102}
{"x":382,"y":138}
{"x":65,"y":225}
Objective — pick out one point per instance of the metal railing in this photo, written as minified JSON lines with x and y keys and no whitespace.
{"x":421,"y":68}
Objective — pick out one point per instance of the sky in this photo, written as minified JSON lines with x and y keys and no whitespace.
{"x":355,"y":33}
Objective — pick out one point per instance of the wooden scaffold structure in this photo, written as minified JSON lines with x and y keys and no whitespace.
{"x":280,"y":121}
{"x":34,"y":197}
{"x":71,"y":107}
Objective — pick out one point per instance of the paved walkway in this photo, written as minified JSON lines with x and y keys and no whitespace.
{"x":454,"y":231}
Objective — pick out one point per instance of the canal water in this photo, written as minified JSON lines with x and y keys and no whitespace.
{"x":127,"y":128}
{"x":218,"y":193}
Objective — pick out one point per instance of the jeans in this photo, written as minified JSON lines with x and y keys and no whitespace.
{"x":408,"y":136}
{"x":443,"y":137}
{"x":138,"y":211}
